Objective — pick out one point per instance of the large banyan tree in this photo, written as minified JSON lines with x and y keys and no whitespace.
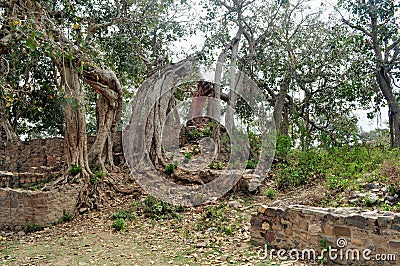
{"x":88,"y":48}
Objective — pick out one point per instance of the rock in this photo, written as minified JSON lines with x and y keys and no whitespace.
{"x":371,"y":186}
{"x":202,"y":244}
{"x":373,"y":198}
{"x":235,"y":204}
{"x":354,"y":201}
{"x":389,"y":199}
{"x":21,"y":233}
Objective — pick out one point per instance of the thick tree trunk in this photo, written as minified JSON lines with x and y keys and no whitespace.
{"x":204,"y":89}
{"x":394,"y":107}
{"x":75,"y":130}
{"x":108,"y":113}
{"x":149,"y":113}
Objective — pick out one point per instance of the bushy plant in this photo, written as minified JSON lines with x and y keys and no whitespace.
{"x":122,"y":214}
{"x":170,"y":168}
{"x":188,"y":155}
{"x":67,"y":216}
{"x":75,"y":169}
{"x":97,"y":177}
{"x":252,"y":163}
{"x":31,"y":228}
{"x":119,"y":224}
{"x":158,"y":209}
{"x":216,"y":165}
{"x":216,"y":217}
{"x":270,"y":193}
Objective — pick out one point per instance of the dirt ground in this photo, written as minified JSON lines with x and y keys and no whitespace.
{"x":190,"y":239}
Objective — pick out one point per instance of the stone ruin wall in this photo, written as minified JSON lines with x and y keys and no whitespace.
{"x":303,"y":227}
{"x":33,"y":163}
{"x":30,"y":164}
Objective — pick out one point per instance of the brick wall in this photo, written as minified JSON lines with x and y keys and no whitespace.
{"x":302,"y":227}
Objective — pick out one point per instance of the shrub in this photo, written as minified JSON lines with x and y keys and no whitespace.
{"x":67,"y":217}
{"x":158,"y":209}
{"x":31,"y":228}
{"x":283,"y":146}
{"x":170,"y":168}
{"x":119,"y":224}
{"x":252,"y":163}
{"x":75,"y":169}
{"x":270,"y":193}
{"x":216,"y":165}
{"x":122,"y":214}
{"x":97,"y":177}
{"x":188,"y":155}
{"x":216,"y":217}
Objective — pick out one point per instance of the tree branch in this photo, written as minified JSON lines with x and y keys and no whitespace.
{"x":356,"y":27}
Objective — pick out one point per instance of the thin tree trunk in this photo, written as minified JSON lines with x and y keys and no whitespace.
{"x":4,"y":122}
{"x":394,"y":107}
{"x":233,"y":81}
{"x":279,"y":105}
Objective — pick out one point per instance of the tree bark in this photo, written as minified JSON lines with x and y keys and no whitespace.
{"x":150,"y":109}
{"x":280,"y":105}
{"x":5,"y":124}
{"x":394,"y":107}
{"x":203,"y":89}
{"x":108,"y":113}
{"x":75,"y":130}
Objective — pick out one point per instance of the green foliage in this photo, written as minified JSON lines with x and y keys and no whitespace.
{"x":158,"y":209}
{"x":283,"y":146}
{"x":97,"y":177}
{"x":75,"y":169}
{"x":300,"y":168}
{"x":118,"y":225}
{"x":252,"y":163}
{"x":188,"y":155}
{"x":31,"y":228}
{"x":170,"y":168}
{"x":255,"y":144}
{"x":368,"y":201}
{"x":122,"y":214}
{"x":339,"y":166}
{"x":196,"y":134}
{"x":216,"y":217}
{"x":270,"y":193}
{"x":67,"y":217}
{"x":216,"y":165}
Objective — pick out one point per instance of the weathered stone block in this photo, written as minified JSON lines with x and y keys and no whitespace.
{"x":262,"y":209}
{"x":356,"y":220}
{"x":395,"y":244}
{"x":265,"y":226}
{"x":314,"y":229}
